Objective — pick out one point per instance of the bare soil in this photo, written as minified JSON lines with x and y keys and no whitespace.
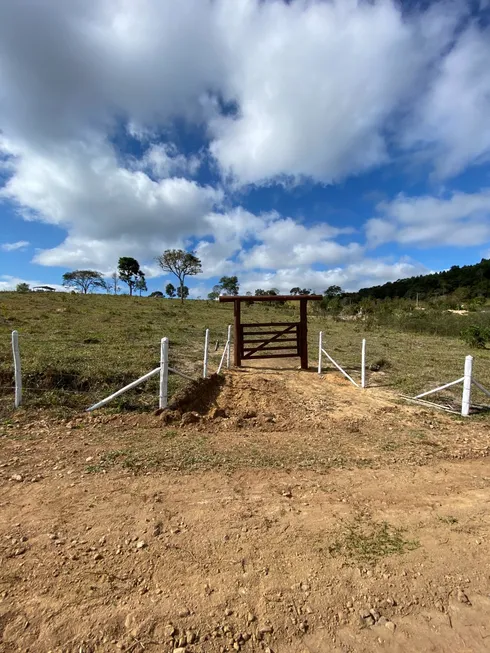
{"x":291,"y":514}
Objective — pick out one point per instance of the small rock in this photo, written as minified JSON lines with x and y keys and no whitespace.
{"x":375,"y":614}
{"x":190,"y":418}
{"x":170,"y":416}
{"x":89,"y":459}
{"x":169,"y":631}
{"x":391,"y":626}
{"x":98,"y":556}
{"x":141,"y":544}
{"x":16,"y":477}
{"x":185,"y":612}
{"x":157,"y":529}
{"x":251,"y":618}
{"x":190,"y":637}
{"x":382,"y":621}
{"x":266,"y":628}
{"x":249,"y":414}
{"x":462,"y":598}
{"x":218,"y":412}
{"x":228,"y":612}
{"x":180,"y":649}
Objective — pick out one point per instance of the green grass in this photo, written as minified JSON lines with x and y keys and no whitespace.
{"x":364,"y":540}
{"x":76,"y":349}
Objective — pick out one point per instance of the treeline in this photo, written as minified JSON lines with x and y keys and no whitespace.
{"x":464,"y":283}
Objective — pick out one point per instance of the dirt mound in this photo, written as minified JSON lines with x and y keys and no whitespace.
{"x":197,"y":396}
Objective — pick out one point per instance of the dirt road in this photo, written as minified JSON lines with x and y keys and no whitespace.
{"x":290,"y":521}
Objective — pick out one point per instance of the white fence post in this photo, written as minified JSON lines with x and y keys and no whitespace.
{"x":466,"y":402}
{"x":320,"y":347}
{"x":163,"y":396}
{"x":363,"y":363}
{"x":206,"y":347}
{"x":17,"y":369}
{"x":228,"y":353}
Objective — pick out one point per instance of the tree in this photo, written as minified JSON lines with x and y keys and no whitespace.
{"x":216,"y":292}
{"x":23,"y":287}
{"x":182,"y":292}
{"x":157,"y":293}
{"x":141,"y":284}
{"x":83,"y":280}
{"x":129,"y":271}
{"x":300,"y":291}
{"x":170,"y":290}
{"x":182,"y":264}
{"x":229,"y":285}
{"x":114,"y":283}
{"x":333,"y":291}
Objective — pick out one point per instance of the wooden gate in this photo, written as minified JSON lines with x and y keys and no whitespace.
{"x":271,"y":339}
{"x":260,"y":340}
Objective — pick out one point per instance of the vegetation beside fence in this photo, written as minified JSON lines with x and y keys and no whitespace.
{"x":76,"y":349}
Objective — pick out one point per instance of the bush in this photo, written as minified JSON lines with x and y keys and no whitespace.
{"x":476,"y":336}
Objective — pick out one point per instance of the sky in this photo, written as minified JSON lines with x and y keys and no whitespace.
{"x":292,"y":143}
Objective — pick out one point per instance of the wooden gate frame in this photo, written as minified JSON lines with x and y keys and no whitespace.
{"x":301,"y":326}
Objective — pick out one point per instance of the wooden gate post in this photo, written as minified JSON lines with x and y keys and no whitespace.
{"x":238,"y":335}
{"x":303,"y":334}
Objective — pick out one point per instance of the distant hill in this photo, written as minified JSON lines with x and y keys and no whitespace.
{"x":468,"y":281}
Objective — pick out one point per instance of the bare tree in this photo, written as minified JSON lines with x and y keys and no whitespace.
{"x":114,"y":283}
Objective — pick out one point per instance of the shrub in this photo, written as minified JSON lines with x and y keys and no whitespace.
{"x":476,"y":336}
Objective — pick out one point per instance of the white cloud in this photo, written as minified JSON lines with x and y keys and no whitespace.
{"x":317,"y":83}
{"x":460,"y":220}
{"x":366,"y":273}
{"x":8,"y":282}
{"x":12,"y":247}
{"x":107,"y":209}
{"x":311,"y":89}
{"x":453,"y":119}
{"x":301,"y":244}
{"x":163,"y":160}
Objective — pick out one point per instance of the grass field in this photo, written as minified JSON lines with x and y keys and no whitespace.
{"x":76,"y":349}
{"x":293,"y":512}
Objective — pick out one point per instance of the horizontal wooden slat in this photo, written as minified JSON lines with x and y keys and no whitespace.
{"x":270,"y":324}
{"x":270,"y":356}
{"x":258,"y":342}
{"x":251,"y":351}
{"x":266,"y":333}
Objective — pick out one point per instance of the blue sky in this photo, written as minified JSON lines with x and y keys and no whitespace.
{"x":304,"y":143}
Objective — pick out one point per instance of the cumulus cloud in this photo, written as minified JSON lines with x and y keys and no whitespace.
{"x":283,"y":91}
{"x":106,"y":208}
{"x":13,"y":247}
{"x":9,"y":282}
{"x":366,"y":273}
{"x":452,"y":121}
{"x":316,"y":84}
{"x":460,"y":220}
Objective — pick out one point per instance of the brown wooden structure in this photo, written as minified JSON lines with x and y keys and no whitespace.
{"x":271,"y":339}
